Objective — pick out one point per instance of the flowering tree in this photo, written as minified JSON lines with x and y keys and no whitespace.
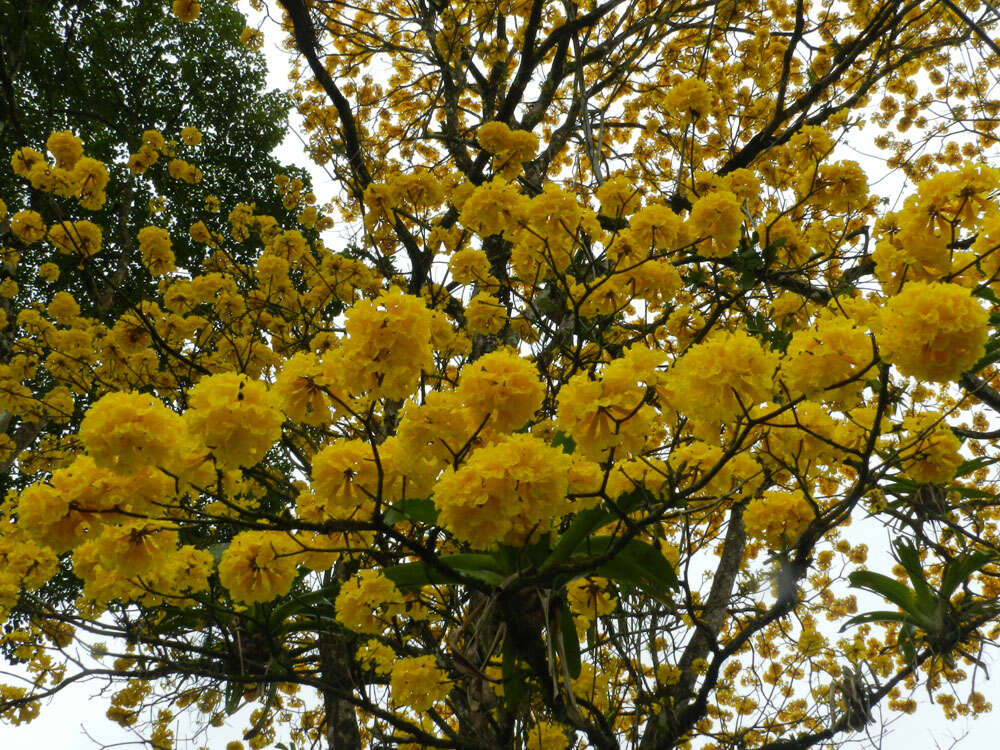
{"x":562,"y":449}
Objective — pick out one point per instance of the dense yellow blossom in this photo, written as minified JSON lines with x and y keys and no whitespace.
{"x":930,"y":450}
{"x":503,"y":388}
{"x":778,"y":517}
{"x":827,"y":360}
{"x":258,"y":566}
{"x":186,"y":10}
{"x":368,"y":601}
{"x":125,"y":431}
{"x":418,"y":683}
{"x":80,"y":237}
{"x":717,"y":217}
{"x":388,"y":344}
{"x":721,"y":378}
{"x":155,"y":248}
{"x":933,"y":331}
{"x":236,"y":417}
{"x":27,"y":226}
{"x":509,"y":491}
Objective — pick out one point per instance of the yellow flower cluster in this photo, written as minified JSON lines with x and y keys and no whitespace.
{"x":153,"y":145}
{"x":717,"y":380}
{"x":611,"y":412}
{"x":258,"y":566}
{"x":27,"y":226}
{"x":689,"y":100}
{"x":697,"y":463}
{"x":388,"y":345}
{"x":367,"y":602}
{"x":821,"y":361}
{"x":345,"y":480}
{"x":485,"y":314}
{"x":23,"y":563}
{"x":179,"y":169}
{"x":186,"y":10}
{"x":502,"y":387}
{"x":80,"y":237}
{"x":237,"y":418}
{"x":126,"y":431}
{"x":191,"y":135}
{"x":933,"y":331}
{"x":81,"y":497}
{"x":930,"y":451}
{"x":717,"y":217}
{"x":72,"y":176}
{"x":418,"y":683}
{"x":509,"y":491}
{"x":778,"y":517}
{"x":495,"y":207}
{"x":510,"y":147}
{"x":590,"y":598}
{"x":155,"y":249}
{"x":618,"y":196}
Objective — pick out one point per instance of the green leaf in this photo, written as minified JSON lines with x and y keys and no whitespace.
{"x":570,"y":640}
{"x":416,"y":509}
{"x":959,"y":570}
{"x":302,"y":603}
{"x":986,"y":293}
{"x":909,"y":558}
{"x":586,"y":522}
{"x":876,"y":616}
{"x":233,"y":696}
{"x":637,"y":564}
{"x":973,"y":465}
{"x":411,"y":576}
{"x":888,"y":588}
{"x":564,"y":441}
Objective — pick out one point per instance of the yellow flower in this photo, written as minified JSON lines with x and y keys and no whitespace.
{"x":716,"y":380}
{"x":502,"y":386}
{"x":235,"y":417}
{"x":27,"y":226}
{"x":930,"y":451}
{"x":155,"y":249}
{"x":258,"y":566}
{"x":367,"y":602}
{"x":822,"y":359}
{"x":186,"y":10}
{"x":388,"y":345}
{"x":485,"y":314}
{"x":933,"y":331}
{"x":690,"y":99}
{"x":137,"y":547}
{"x":418,"y":683}
{"x":468,"y":265}
{"x":66,"y":147}
{"x":345,"y":480}
{"x":717,"y":216}
{"x":508,"y":491}
{"x":126,"y":431}
{"x":778,"y":517}
{"x":494,"y":207}
{"x":191,"y":136}
{"x":609,"y":412}
{"x":49,"y":272}
{"x":24,"y":160}
{"x":80,"y":237}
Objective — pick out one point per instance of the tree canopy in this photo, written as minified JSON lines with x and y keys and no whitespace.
{"x":622,"y":412}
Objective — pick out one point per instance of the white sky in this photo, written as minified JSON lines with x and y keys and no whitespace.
{"x":75,"y":720}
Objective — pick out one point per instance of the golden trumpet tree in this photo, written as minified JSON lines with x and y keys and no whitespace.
{"x":584,"y":437}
